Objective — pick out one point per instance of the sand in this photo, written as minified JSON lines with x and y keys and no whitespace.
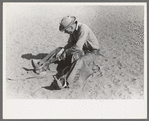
{"x":32,"y":32}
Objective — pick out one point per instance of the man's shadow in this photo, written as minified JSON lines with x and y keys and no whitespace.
{"x":53,"y":86}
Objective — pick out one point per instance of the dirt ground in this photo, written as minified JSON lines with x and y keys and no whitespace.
{"x":32,"y":32}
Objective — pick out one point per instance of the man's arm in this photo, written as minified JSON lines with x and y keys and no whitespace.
{"x":69,"y":44}
{"x":81,"y":41}
{"x":62,"y":53}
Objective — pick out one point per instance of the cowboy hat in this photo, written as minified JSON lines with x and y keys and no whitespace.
{"x":67,"y":22}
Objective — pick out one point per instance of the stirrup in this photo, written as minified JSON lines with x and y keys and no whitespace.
{"x":61,"y":84}
{"x":37,"y":69}
{"x":34,"y":64}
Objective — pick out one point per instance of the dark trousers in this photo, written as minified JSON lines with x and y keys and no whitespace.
{"x":75,"y":61}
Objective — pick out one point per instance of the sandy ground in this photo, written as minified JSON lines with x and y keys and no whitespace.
{"x":32,"y":32}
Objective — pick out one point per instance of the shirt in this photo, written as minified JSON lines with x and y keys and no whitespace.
{"x":82,"y":38}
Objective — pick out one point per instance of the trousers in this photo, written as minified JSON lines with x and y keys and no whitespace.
{"x":78,"y":60}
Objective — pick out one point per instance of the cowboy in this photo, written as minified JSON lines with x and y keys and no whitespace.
{"x":82,"y":48}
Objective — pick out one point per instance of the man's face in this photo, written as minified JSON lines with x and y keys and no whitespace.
{"x":69,"y":30}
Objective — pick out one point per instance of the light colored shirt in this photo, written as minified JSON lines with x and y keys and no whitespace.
{"x":82,"y":38}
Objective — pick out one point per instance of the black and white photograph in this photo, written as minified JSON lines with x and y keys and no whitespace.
{"x":75,"y":51}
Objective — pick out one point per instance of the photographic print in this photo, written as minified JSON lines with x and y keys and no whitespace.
{"x":74,"y":51}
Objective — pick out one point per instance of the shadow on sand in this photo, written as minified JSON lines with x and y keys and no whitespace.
{"x":30,"y":56}
{"x":53,"y":86}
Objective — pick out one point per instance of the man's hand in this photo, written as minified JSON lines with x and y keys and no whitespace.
{"x":59,"y":54}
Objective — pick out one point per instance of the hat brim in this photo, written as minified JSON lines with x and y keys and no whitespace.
{"x":61,"y":28}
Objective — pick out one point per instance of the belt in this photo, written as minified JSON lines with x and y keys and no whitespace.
{"x":95,"y":51}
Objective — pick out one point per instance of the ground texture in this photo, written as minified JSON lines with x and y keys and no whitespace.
{"x":32,"y":32}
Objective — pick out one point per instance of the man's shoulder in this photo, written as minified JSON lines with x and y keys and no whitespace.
{"x":82,"y":26}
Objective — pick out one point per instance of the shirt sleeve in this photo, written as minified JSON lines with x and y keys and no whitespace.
{"x":82,"y":37}
{"x":69,"y":44}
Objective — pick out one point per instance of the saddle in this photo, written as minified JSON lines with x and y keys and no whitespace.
{"x":43,"y":64}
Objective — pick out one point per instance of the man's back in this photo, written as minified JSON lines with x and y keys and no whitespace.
{"x":83,"y":38}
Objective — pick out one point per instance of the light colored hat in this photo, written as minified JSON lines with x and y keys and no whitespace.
{"x":67,"y":22}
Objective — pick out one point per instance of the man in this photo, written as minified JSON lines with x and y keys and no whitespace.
{"x":82,"y":48}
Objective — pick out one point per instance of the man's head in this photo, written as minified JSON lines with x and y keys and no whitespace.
{"x":68,"y":24}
